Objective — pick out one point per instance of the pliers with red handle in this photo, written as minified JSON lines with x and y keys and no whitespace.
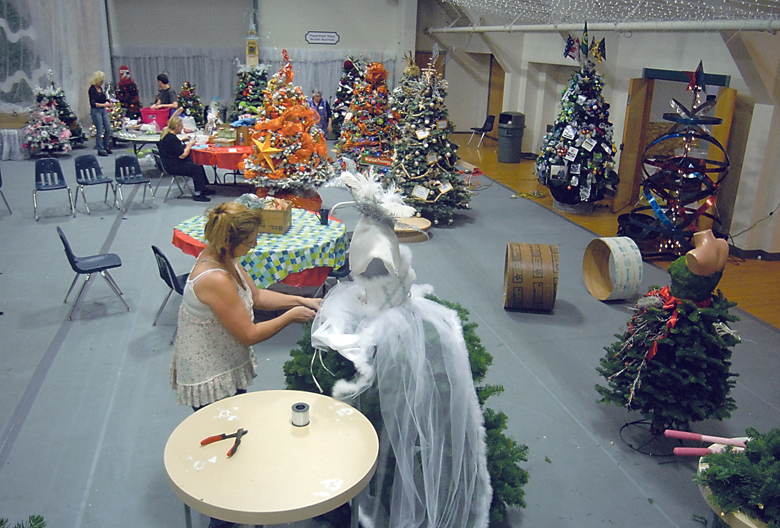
{"x":216,"y":438}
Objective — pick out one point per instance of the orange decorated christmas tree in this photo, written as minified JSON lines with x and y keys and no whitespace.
{"x":370,"y":128}
{"x":289,"y":151}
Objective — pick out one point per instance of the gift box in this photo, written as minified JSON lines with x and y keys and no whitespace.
{"x":277,"y":221}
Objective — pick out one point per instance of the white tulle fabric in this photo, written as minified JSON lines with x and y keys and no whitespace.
{"x":411,"y":351}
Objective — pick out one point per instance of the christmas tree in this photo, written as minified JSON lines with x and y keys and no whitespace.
{"x":425,"y":159}
{"x":45,"y":133}
{"x":116,"y":113}
{"x":289,"y":149}
{"x":370,"y":128}
{"x":54,"y":94}
{"x":252,"y":81}
{"x":352,"y":72}
{"x":577,"y":156}
{"x":672,"y":362}
{"x":190,"y":102}
{"x":127,"y":94}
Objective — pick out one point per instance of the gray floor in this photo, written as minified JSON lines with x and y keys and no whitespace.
{"x":86,"y":407}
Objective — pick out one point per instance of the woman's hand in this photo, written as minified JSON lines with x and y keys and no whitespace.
{"x":312,"y":303}
{"x":301,"y":314}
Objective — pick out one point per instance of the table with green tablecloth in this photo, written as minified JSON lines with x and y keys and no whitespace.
{"x":301,"y":257}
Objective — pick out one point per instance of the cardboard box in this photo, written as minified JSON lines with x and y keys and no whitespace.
{"x":16,"y":120}
{"x":277,"y":221}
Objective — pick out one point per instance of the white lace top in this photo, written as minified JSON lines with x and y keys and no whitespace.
{"x":209,"y":364}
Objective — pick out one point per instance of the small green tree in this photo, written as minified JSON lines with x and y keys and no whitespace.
{"x":33,"y":521}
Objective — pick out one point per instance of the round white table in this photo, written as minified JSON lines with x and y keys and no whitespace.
{"x":280,"y":473}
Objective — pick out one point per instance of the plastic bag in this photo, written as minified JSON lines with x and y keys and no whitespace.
{"x":189,"y":124}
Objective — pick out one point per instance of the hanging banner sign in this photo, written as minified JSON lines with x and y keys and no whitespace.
{"x":322,"y":37}
{"x":376,"y":160}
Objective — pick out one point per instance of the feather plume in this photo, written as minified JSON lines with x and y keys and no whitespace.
{"x":374,"y":201}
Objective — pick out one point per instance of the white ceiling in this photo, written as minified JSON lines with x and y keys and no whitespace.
{"x":553,"y":12}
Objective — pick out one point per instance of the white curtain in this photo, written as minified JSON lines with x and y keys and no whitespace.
{"x":213,"y":70}
{"x":69,"y":38}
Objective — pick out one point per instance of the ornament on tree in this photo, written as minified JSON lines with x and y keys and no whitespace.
{"x":189,"y":101}
{"x":45,"y":133}
{"x":54,"y":94}
{"x":352,"y":72}
{"x":250,"y":86}
{"x":289,"y":149}
{"x":672,"y":362}
{"x":680,"y":190}
{"x":577,"y":157}
{"x":127,"y":94}
{"x":424,"y":165}
{"x":370,"y":127}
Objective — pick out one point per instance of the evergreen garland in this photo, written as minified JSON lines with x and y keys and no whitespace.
{"x":504,"y":454}
{"x":749,"y":480}
{"x":33,"y":521}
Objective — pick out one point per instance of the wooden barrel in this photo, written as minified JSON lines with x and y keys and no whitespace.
{"x":530,"y":277}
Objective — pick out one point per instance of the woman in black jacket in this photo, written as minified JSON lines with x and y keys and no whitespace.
{"x":177,"y":160}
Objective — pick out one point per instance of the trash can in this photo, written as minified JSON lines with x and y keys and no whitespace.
{"x":510,"y":136}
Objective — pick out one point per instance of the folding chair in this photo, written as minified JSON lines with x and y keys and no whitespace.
{"x":87,"y":266}
{"x":3,"y":195}
{"x":89,"y":172}
{"x":175,"y":282}
{"x":174,"y":178}
{"x":127,"y":171}
{"x":49,"y":177}
{"x":484,"y":129}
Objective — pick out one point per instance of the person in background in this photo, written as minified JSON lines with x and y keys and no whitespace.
{"x":321,"y":106}
{"x":177,"y":160}
{"x":166,"y":96}
{"x":98,"y":110}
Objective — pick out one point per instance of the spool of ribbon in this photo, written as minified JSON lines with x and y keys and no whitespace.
{"x":300,"y":414}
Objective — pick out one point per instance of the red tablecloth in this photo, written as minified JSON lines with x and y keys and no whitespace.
{"x":310,"y":277}
{"x":226,"y":158}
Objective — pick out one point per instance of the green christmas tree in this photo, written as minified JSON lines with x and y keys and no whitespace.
{"x":424,"y":165}
{"x":190,"y":102}
{"x":370,"y":128}
{"x":116,"y":113}
{"x":45,"y":133}
{"x":672,"y":362}
{"x":54,"y":94}
{"x":504,"y":454}
{"x":577,"y":157}
{"x":352,"y":72}
{"x":127,"y":94}
{"x":251,"y":84}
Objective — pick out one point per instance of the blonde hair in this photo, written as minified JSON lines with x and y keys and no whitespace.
{"x":173,"y":122}
{"x":97,"y":78}
{"x":230,"y":224}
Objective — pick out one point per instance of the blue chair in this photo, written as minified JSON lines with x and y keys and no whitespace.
{"x":87,"y":266}
{"x":49,"y":177}
{"x":89,"y":172}
{"x":127,"y":171}
{"x":484,"y":129}
{"x":174,"y":178}
{"x":3,"y":195}
{"x":175,"y":282}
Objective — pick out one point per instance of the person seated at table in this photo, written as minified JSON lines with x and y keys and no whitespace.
{"x":166,"y":96}
{"x":213,"y":357}
{"x":177,"y":160}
